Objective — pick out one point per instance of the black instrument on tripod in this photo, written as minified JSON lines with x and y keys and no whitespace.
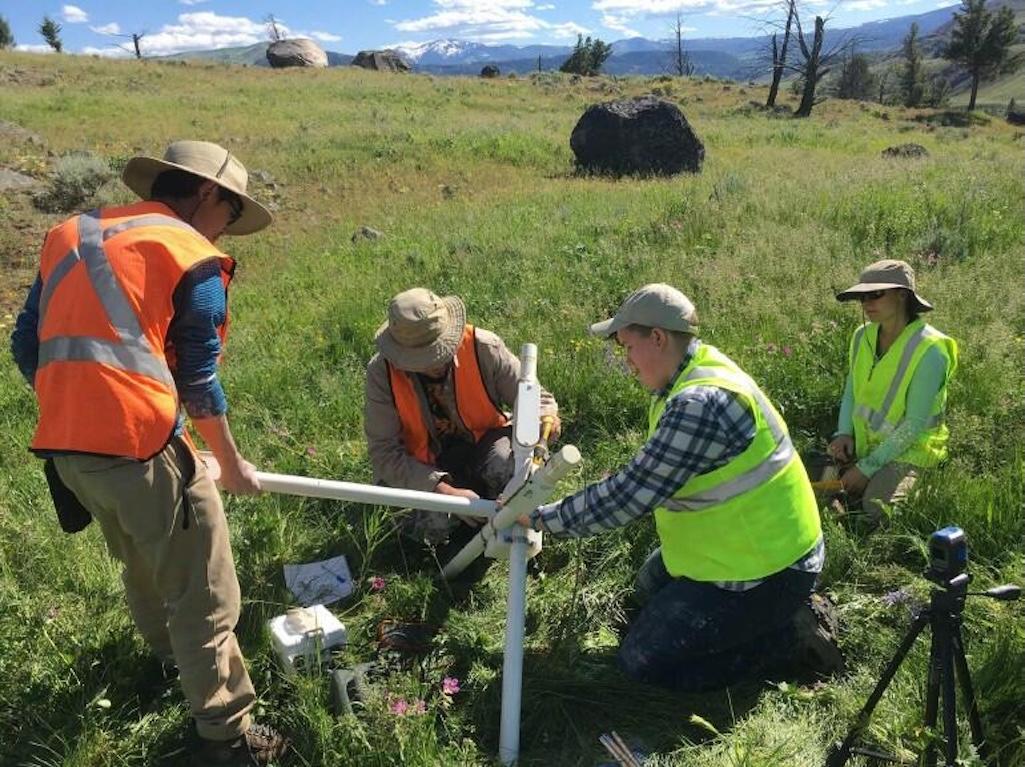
{"x":948,"y":559}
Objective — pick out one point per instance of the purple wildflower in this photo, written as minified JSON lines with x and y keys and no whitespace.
{"x":377,"y":583}
{"x":450,"y":685}
{"x":897,"y":597}
{"x":399,"y":707}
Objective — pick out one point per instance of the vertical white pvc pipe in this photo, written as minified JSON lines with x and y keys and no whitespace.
{"x":512,"y":664}
{"x":526,"y":424}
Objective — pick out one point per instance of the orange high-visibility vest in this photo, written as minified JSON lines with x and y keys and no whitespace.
{"x":474,"y":405}
{"x":104,"y":381}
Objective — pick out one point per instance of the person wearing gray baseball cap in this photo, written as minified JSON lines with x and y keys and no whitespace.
{"x":121,"y":337}
{"x":892,"y":413}
{"x":728,"y":594}
{"x":434,"y":417}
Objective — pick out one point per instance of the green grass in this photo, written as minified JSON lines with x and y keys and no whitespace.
{"x":471,"y":182}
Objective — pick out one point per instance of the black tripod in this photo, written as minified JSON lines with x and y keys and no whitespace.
{"x":946,"y":654}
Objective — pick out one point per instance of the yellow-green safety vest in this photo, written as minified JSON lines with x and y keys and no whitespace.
{"x":750,"y":518}
{"x":881,"y":389}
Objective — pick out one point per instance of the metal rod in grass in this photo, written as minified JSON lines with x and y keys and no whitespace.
{"x":618,"y":749}
{"x":629,"y":751}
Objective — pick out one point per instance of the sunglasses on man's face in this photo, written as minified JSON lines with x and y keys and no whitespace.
{"x":872,"y":295}
{"x":235,"y":203}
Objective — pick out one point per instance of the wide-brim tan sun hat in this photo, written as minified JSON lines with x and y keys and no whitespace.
{"x":655,"y":306}
{"x":423,"y":330}
{"x":206,"y":160}
{"x":886,"y":274}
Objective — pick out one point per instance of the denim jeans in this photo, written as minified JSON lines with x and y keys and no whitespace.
{"x":692,"y":635}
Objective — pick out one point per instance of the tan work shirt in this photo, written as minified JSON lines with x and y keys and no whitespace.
{"x":392,"y":465}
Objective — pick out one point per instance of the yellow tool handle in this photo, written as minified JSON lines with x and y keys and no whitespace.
{"x":827,"y":486}
{"x":541,"y":448}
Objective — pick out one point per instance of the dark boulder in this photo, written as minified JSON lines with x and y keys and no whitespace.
{"x":905,"y":150}
{"x":489,"y":70}
{"x":382,"y":61}
{"x":295,"y":53}
{"x":645,"y":136}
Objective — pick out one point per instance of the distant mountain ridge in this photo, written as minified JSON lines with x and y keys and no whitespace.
{"x":733,"y":57}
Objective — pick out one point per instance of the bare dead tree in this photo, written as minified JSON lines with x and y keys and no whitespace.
{"x":779,"y":54}
{"x":679,"y":60}
{"x":135,"y":37}
{"x":273,"y":28}
{"x":815,"y":63}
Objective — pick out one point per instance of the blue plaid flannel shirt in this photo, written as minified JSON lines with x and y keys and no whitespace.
{"x":701,"y":429}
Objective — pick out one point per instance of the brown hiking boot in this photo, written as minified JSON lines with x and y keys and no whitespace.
{"x":816,"y":652}
{"x":260,"y":745}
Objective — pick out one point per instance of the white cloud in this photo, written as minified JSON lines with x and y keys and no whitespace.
{"x":619,"y":24}
{"x":34,"y":48}
{"x":630,"y":9}
{"x":204,"y":30}
{"x":108,"y":51}
{"x":545,"y":7}
{"x":72,"y":14}
{"x":487,"y":21}
{"x":325,"y":37}
{"x":113,"y":28}
{"x":193,"y":2}
{"x":865,"y":5}
{"x":378,"y":2}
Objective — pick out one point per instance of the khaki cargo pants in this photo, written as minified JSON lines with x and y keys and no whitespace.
{"x":179,"y":576}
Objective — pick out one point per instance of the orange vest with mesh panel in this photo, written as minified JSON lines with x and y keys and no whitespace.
{"x":104,"y":382}
{"x":474,"y":405}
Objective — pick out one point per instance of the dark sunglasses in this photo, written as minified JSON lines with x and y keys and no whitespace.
{"x":235,"y":203}
{"x":872,"y":295}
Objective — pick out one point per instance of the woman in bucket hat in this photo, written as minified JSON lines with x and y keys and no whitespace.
{"x":125,"y":325}
{"x":434,"y":415}
{"x":892,"y":414}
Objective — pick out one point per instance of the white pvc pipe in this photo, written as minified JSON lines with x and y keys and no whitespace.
{"x":512,"y":663}
{"x":535,"y":492}
{"x":291,"y":484}
{"x":375,"y":494}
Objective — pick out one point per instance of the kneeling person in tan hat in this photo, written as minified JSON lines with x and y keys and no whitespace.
{"x":124,"y":324}
{"x":435,"y":394}
{"x":728,"y":593}
{"x":892,"y":421}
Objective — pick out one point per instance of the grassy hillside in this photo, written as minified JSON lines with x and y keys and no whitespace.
{"x":471,"y":183}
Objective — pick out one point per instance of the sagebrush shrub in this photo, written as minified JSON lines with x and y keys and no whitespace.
{"x":76,"y":182}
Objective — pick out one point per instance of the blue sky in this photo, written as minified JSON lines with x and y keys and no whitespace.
{"x":351,"y":25}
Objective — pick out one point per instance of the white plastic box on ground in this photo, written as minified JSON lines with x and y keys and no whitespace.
{"x":305,"y":632}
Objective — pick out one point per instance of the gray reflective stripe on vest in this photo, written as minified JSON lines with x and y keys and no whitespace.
{"x":54,"y":279}
{"x":902,"y":370}
{"x":749,"y":480}
{"x":133,"y":353}
{"x":782,"y":455}
{"x":888,"y":428}
{"x":153,"y":219}
{"x":877,"y":418}
{"x":112,"y":353}
{"x":858,"y":335}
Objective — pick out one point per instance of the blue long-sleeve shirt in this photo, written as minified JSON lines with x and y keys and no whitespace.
{"x":200,"y":308}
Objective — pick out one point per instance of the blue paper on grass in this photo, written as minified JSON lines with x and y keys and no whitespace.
{"x":319,"y":583}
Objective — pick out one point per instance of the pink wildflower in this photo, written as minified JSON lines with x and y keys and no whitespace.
{"x":311,"y":451}
{"x":399,"y":707}
{"x":450,"y":685}
{"x":418,"y":707}
{"x":787,"y":351}
{"x":377,"y":583}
